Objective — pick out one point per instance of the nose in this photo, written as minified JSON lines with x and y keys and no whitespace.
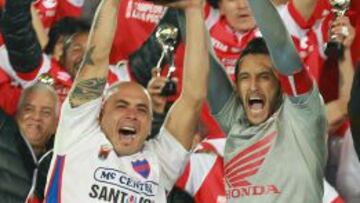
{"x":36,"y":115}
{"x":253,"y":84}
{"x":131,"y":113}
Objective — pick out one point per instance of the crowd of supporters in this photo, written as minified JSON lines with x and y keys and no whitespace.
{"x":81,"y":98}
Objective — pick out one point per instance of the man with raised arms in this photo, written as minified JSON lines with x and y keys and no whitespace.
{"x":100,"y":152}
{"x":276,"y":125}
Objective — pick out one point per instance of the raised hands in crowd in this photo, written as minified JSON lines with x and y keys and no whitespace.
{"x":251,"y":72}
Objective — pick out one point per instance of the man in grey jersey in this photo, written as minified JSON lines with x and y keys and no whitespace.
{"x":276,"y":126}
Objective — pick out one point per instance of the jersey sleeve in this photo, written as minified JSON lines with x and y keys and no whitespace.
{"x":296,"y":84}
{"x":230,"y":113}
{"x":172,"y":157}
{"x":309,"y":127}
{"x":76,"y":123}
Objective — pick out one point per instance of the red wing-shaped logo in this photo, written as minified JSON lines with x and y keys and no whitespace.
{"x":247,"y":162}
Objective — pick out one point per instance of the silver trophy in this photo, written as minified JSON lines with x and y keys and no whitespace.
{"x":167,"y":36}
{"x":335,"y":49}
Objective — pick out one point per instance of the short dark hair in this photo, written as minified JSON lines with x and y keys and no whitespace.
{"x":66,"y":27}
{"x":214,"y":3}
{"x":255,"y":46}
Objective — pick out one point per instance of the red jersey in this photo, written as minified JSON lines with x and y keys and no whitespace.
{"x":140,"y":19}
{"x":51,"y":11}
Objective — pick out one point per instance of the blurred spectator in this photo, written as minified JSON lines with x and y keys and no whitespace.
{"x":354,"y":111}
{"x":25,"y":144}
{"x":22,"y":58}
{"x":51,"y":11}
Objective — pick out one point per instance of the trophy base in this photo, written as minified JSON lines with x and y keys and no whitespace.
{"x":169,"y":89}
{"x":334,"y":50}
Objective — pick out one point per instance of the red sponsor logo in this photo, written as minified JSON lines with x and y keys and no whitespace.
{"x":246,"y":164}
{"x":252,"y":190}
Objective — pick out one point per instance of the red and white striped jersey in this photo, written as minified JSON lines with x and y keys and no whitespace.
{"x":203,"y":177}
{"x":309,"y":36}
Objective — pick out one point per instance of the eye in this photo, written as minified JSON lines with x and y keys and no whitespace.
{"x":28,"y":109}
{"x":243,"y":76}
{"x":143,"y":110}
{"x":120,"y":106}
{"x":46,"y":113}
{"x":265,"y":76}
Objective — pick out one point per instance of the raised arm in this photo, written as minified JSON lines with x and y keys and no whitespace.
{"x":281,"y":47}
{"x":220,"y":87}
{"x":91,"y":78}
{"x":23,"y":48}
{"x":184,"y":114}
{"x":295,"y":81}
{"x":336,"y":110}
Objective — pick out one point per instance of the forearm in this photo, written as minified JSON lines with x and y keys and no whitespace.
{"x":346,"y":75}
{"x":24,"y":50}
{"x":278,"y":40}
{"x":184,"y":114}
{"x":91,"y":79}
{"x":337,"y":110}
{"x":305,"y":7}
{"x":219,"y":88}
{"x":40,"y":31}
{"x":196,"y":56}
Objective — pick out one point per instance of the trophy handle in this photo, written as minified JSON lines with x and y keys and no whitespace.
{"x":158,"y":65}
{"x":172,"y":67}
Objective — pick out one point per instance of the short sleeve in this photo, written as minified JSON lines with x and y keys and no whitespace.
{"x":76,"y":123}
{"x":309,"y":126}
{"x":172,"y":157}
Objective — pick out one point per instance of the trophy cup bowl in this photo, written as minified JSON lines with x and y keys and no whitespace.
{"x":335,"y":49}
{"x":167,"y":36}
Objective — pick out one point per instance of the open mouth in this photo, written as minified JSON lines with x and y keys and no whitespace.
{"x":127,"y":131}
{"x":256,"y":103}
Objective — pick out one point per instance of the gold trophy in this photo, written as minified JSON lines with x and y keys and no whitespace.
{"x":167,"y":36}
{"x":335,"y":49}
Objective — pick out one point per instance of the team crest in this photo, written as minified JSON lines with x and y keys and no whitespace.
{"x":142,"y":167}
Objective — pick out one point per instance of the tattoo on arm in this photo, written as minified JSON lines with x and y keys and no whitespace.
{"x":87,"y":90}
